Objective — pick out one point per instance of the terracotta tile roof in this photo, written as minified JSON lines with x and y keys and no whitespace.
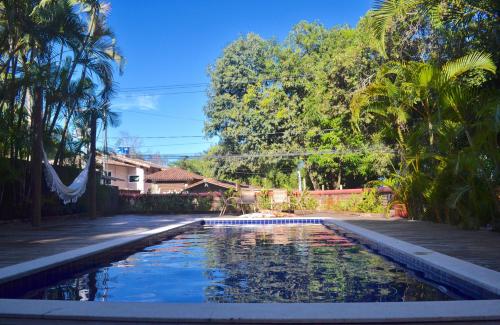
{"x":121,"y":160}
{"x":174,"y":174}
{"x":211,"y":181}
{"x":113,"y":162}
{"x":136,"y":161}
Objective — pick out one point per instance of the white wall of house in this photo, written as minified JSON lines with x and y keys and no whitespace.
{"x":129,"y":175}
{"x":139,"y":184}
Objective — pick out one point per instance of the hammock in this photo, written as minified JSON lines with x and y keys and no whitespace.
{"x":69,"y":193}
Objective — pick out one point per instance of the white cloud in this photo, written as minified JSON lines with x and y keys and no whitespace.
{"x":142,"y":102}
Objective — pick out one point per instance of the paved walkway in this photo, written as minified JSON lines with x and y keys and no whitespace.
{"x":478,"y":247}
{"x":20,"y":242}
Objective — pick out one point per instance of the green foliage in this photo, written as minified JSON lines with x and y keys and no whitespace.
{"x":272,"y":98}
{"x":201,"y":166}
{"x":264,"y":200}
{"x":417,"y":80}
{"x":64,"y":54}
{"x":166,"y":203}
{"x":440,"y":107}
{"x":449,"y":166}
{"x":368,"y":202}
{"x":303,"y":201}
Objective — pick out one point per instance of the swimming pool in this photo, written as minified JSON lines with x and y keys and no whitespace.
{"x":249,"y":263}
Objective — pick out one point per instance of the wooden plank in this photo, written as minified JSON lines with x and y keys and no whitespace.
{"x":20,"y":242}
{"x":480,"y":247}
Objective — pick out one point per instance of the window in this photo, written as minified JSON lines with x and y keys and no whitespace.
{"x":107,"y":180}
{"x":133,"y":179}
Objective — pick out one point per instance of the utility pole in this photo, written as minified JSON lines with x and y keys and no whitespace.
{"x":36,"y":159}
{"x":91,"y":182}
{"x":300,"y":181}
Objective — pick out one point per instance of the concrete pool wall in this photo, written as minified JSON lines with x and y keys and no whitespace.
{"x":470,"y":276}
{"x":474,"y":280}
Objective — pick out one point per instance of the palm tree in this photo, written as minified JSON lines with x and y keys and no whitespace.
{"x":420,"y":90}
{"x":416,"y":100}
{"x":438,"y":12}
{"x":45,"y":45}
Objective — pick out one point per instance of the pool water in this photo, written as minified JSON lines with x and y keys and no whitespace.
{"x":275,"y":263}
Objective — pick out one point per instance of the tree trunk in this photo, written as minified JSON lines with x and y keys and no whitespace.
{"x":71,"y":110}
{"x":36,"y":159}
{"x":66,"y":85}
{"x":91,"y":182}
{"x":339,"y":179}
{"x":59,"y":157}
{"x":313,"y":181}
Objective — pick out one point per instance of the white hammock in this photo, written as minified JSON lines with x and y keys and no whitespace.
{"x":69,"y":193}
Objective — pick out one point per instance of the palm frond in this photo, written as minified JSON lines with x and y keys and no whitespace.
{"x":385,"y":13}
{"x":469,"y":62}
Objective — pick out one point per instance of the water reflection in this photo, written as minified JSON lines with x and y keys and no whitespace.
{"x":278,"y":263}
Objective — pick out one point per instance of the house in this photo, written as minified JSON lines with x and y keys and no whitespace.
{"x":171,"y":180}
{"x":209,"y":185}
{"x":128,"y":174}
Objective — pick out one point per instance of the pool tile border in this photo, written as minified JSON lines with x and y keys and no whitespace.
{"x":25,"y":274}
{"x":70,"y":312}
{"x":262,"y":221}
{"x":472,"y":279}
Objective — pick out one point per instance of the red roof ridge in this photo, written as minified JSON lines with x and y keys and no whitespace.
{"x":174,"y":174}
{"x":212,"y":181}
{"x":135,"y":162}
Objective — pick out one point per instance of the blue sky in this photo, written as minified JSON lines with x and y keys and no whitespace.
{"x":171,"y":43}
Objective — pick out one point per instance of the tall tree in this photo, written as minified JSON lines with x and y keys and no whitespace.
{"x":62,"y":53}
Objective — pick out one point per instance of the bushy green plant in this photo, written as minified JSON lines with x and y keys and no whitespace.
{"x":368,"y":202}
{"x":264,"y":200}
{"x":167,"y":203}
{"x":303,"y":202}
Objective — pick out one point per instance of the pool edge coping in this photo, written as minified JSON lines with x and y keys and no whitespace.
{"x":422,"y":259}
{"x":141,"y":313}
{"x":24,"y":269}
{"x":435,"y":311}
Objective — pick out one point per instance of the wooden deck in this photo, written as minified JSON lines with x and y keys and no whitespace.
{"x":478,"y":247}
{"x":20,"y":242}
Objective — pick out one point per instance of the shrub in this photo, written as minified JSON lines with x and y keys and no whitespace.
{"x":369,"y":202}
{"x":264,"y":200}
{"x":166,"y":203}
{"x":302,"y":202}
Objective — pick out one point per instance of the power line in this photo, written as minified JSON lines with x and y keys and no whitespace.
{"x":194,"y":85}
{"x":267,"y":155}
{"x":162,"y":94}
{"x":163,"y":115}
{"x":199,"y":84}
{"x":202,"y":136}
{"x":160,"y":137}
{"x":163,"y":87}
{"x":171,"y":144}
